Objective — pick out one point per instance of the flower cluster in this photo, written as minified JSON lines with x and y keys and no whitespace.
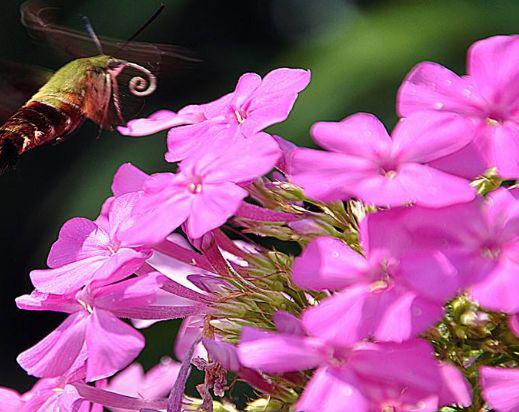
{"x":404,"y":296}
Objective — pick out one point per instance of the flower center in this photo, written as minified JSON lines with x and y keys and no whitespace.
{"x":495,"y":117}
{"x":490,"y":250}
{"x":388,"y":169}
{"x":83,"y":298}
{"x":382,"y":277}
{"x":390,"y":174}
{"x":490,"y":253}
{"x":492,"y":122}
{"x":87,"y":306}
{"x":240,"y":116}
{"x":194,"y":187}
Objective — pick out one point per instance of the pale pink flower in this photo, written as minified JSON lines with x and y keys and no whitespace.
{"x":500,"y":388}
{"x":255,"y":104}
{"x":365,"y":377}
{"x":92,"y":251}
{"x":488,"y":96}
{"x":365,"y":162}
{"x":93,"y":334}
{"x":385,"y":295}
{"x":204,"y":193}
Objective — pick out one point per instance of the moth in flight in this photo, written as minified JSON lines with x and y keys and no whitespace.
{"x":107,"y":79}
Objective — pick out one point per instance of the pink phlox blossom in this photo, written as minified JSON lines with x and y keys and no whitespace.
{"x":480,"y":239}
{"x":255,"y":104}
{"x":487,"y":96}
{"x":364,"y":377}
{"x":204,"y":193}
{"x":93,"y":334}
{"x":152,"y":385}
{"x":50,"y":394}
{"x":500,"y":388}
{"x":92,"y":251}
{"x":363,"y":161}
{"x":388,"y":295}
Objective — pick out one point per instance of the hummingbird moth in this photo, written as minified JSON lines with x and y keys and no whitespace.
{"x":97,"y":85}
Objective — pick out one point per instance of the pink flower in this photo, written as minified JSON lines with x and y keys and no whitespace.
{"x":366,"y":163}
{"x":152,"y":385}
{"x":488,"y":96}
{"x":204,"y":193}
{"x":92,"y":251}
{"x":480,"y":239}
{"x":254,"y":105}
{"x":362,"y":378}
{"x":500,"y":388}
{"x":162,"y":120}
{"x":387,"y":295}
{"x":92,"y":333}
{"x":55,"y":394}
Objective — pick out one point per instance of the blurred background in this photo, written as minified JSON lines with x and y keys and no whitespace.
{"x":358,"y":52}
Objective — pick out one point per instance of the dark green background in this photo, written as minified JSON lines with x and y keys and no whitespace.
{"x":358,"y":52}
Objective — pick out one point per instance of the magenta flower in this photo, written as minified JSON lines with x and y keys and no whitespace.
{"x":364,"y":162}
{"x":204,"y":193}
{"x":480,"y":239}
{"x":487,"y":96}
{"x":152,"y":385}
{"x":386,"y":296}
{"x":363,"y":378}
{"x":500,"y":388}
{"x":254,"y":105}
{"x":93,"y":333}
{"x":92,"y":251}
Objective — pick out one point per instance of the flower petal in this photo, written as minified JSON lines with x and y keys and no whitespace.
{"x":430,"y":86}
{"x":358,"y":313}
{"x":414,"y":183}
{"x":456,"y":389}
{"x":68,"y":278}
{"x":224,"y":353}
{"x":273,"y":100}
{"x":505,"y":145}
{"x":328,"y":263}
{"x":160,"y":120}
{"x":327,"y":176}
{"x":278,"y":353}
{"x":423,"y":137}
{"x":409,"y":364}
{"x":78,"y":239}
{"x":361,"y":135}
{"x":127,"y":179}
{"x":330,"y":387}
{"x":112,"y":345}
{"x":10,"y":401}
{"x":500,"y":388}
{"x":212,"y":207}
{"x":499,"y":291}
{"x":492,"y":64}
{"x":57,"y":353}
{"x":287,"y":323}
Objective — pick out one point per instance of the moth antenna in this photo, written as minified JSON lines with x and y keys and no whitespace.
{"x":91,"y":32}
{"x":150,"y":20}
